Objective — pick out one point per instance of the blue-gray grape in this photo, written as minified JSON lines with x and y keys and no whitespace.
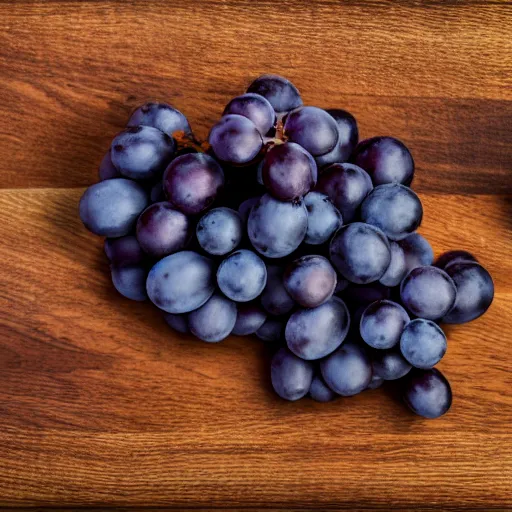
{"x":397,"y":268}
{"x":291,"y":376}
{"x":242,"y":276}
{"x":250,"y":317}
{"x":417,"y":251}
{"x":245,"y":208}
{"x":394,"y":209}
{"x":177,"y":322}
{"x":110,"y":208}
{"x":320,"y":391}
{"x":280,"y":92}
{"x":124,"y":251}
{"x":451,"y":257}
{"x":181,"y":282}
{"x":275,"y":299}
{"x":324,"y":218}
{"x":214,"y":320}
{"x":130,"y":281}
{"x":390,"y":364}
{"x":423,"y":343}
{"x":256,"y":108}
{"x":314,"y":333}
{"x":107,"y":171}
{"x":162,"y":116}
{"x":219,"y":231}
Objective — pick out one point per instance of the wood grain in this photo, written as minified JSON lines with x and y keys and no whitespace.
{"x":101,"y":405}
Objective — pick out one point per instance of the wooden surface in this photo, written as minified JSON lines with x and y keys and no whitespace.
{"x":100,"y":404}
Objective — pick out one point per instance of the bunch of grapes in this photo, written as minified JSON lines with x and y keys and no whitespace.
{"x":283,"y":225}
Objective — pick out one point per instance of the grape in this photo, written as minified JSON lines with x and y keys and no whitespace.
{"x":192,"y":182}
{"x":214,"y":320}
{"x":110,"y":208}
{"x":181,"y":282}
{"x":130,"y":281}
{"x":428,"y":292}
{"x":360,"y":253}
{"x":162,"y":116}
{"x":289,"y":171}
{"x":280,"y":92}
{"x":319,"y":391}
{"x":177,"y":322}
{"x":417,"y":251}
{"x":235,"y":139}
{"x":423,"y":343}
{"x":277,"y":228}
{"x":475,"y":292}
{"x":219,"y":231}
{"x":397,"y":269}
{"x":310,"y":280}
{"x":313,"y":128}
{"x":341,"y":284}
{"x":382,"y":324}
{"x":365,"y":294}
{"x":141,"y":152}
{"x":451,"y":257}
{"x":348,"y":371}
{"x":161,"y":230}
{"x":375,"y":383}
{"x":346,"y":185}
{"x":291,"y":376}
{"x":323,"y":218}
{"x":348,"y":136}
{"x":275,"y":299}
{"x":250,"y":318}
{"x":242,"y":276}
{"x":394,"y":209}
{"x":272,"y":329}
{"x":245,"y":208}
{"x":390,"y":364}
{"x":157,"y":195}
{"x":256,"y":108}
{"x":385,"y":159}
{"x":107,"y":171}
{"x":428,"y":393}
{"x":124,"y":251}
{"x":316,"y":332}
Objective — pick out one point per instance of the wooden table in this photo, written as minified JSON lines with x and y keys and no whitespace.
{"x":100,"y":404}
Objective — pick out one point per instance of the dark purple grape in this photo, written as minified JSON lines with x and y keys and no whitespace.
{"x":316,"y":332}
{"x":272,"y":329}
{"x":157,"y":194}
{"x":475,"y":292}
{"x":310,"y":280}
{"x":192,"y":182}
{"x":313,"y":128}
{"x":348,"y":371}
{"x":124,"y":251}
{"x":256,"y":108}
{"x":107,"y":171}
{"x":141,"y":152}
{"x":324,"y":219}
{"x":428,"y":292}
{"x":423,"y":343}
{"x":382,"y":324}
{"x":177,"y":322}
{"x":214,"y":320}
{"x":417,"y":251}
{"x":393,"y":208}
{"x":280,"y":92}
{"x":390,"y":364}
{"x":250,"y":317}
{"x":220,"y":231}
{"x":235,"y":140}
{"x":385,"y":159}
{"x":360,"y":253}
{"x":346,"y":185}
{"x":289,"y":171}
{"x":275,"y":299}
{"x":320,"y":391}
{"x":397,"y":269}
{"x":291,"y":376}
{"x":110,"y":208}
{"x":130,"y":281}
{"x":242,"y":276}
{"x":428,"y":393}
{"x":277,"y":228}
{"x":162,"y":230}
{"x":348,"y":135}
{"x":245,"y":208}
{"x":451,"y":257}
{"x":365,"y":294}
{"x":162,"y":116}
{"x":341,"y":285}
{"x":375,"y":383}
{"x":181,"y":282}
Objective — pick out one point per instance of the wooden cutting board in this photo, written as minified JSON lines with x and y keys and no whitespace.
{"x":100,"y":403}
